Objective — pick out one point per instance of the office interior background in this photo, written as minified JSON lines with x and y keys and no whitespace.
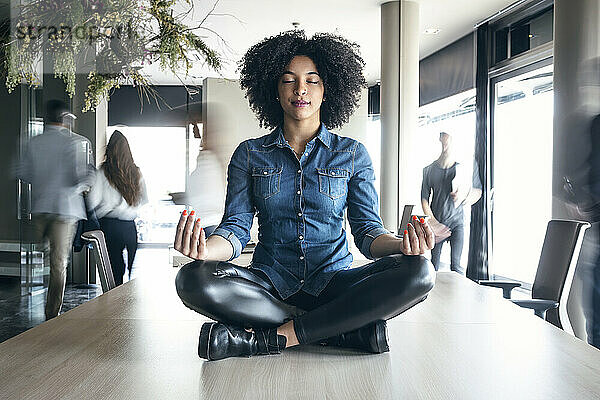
{"x":505,"y":78}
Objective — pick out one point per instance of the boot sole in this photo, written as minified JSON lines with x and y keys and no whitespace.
{"x":204,"y":340}
{"x":381,"y":330}
{"x":381,"y":337}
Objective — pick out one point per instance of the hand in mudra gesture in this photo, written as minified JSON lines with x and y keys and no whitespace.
{"x":418,"y":237}
{"x":190,"y":239}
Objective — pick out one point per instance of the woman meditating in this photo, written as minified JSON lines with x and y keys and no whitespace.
{"x":300,"y":180}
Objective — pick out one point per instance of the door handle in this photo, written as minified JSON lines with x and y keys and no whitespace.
{"x":19,"y":199}
{"x":23,"y":201}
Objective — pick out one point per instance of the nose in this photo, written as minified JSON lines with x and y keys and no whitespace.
{"x":300,"y":89}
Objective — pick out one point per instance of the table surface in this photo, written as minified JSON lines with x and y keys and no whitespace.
{"x":139,"y":342}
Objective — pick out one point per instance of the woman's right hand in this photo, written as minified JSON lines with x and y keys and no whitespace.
{"x":190,"y":239}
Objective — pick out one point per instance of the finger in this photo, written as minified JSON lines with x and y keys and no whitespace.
{"x":420,"y":234}
{"x":179,"y":232}
{"x":187,"y":234}
{"x":202,"y":250}
{"x":429,"y":235}
{"x":414,"y":240}
{"x":405,"y":243}
{"x":195,"y":238}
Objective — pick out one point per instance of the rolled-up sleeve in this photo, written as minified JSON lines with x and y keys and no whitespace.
{"x":363,"y":202}
{"x":239,"y":208}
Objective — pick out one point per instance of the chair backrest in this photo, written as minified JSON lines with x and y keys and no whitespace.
{"x":107,"y":281}
{"x":556,"y":268}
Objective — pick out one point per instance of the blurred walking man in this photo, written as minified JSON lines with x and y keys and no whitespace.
{"x":56,"y":165}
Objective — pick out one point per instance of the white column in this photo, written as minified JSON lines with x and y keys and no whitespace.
{"x":400,"y":180}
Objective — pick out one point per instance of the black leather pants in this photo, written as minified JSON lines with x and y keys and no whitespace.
{"x":353,"y":298}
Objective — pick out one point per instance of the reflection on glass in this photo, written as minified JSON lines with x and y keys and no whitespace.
{"x":522,"y":172}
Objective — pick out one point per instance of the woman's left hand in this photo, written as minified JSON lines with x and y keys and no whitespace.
{"x":418,"y":237}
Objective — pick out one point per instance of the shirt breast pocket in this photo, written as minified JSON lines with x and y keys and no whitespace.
{"x":333,"y":182}
{"x":266,"y":181}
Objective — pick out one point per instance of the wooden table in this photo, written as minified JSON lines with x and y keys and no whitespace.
{"x":139,"y":342}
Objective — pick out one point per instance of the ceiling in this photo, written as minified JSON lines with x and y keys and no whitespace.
{"x":241,"y":23}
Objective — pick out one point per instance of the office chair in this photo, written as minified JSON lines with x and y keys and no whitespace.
{"x":554,"y":276}
{"x":107,"y":281}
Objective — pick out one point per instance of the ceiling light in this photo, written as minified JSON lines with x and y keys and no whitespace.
{"x":432,"y":31}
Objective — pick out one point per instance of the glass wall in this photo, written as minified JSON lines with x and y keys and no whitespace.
{"x":521,"y":171}
{"x":455,"y":115}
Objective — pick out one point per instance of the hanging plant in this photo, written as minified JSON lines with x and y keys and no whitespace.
{"x":111,"y":39}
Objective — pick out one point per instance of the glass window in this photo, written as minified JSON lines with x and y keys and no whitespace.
{"x":522,"y":172}
{"x":541,"y":29}
{"x":501,"y":44}
{"x":524,"y":35}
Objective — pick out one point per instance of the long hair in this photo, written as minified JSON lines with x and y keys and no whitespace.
{"x":120,"y":170}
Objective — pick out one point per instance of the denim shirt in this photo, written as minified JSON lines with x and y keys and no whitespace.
{"x":300,"y":205}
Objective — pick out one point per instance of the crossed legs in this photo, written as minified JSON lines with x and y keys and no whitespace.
{"x":354,"y":298}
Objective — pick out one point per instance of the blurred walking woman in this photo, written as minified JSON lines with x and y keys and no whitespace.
{"x":117,"y":195}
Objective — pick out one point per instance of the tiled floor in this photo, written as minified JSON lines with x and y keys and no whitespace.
{"x":20,"y":313}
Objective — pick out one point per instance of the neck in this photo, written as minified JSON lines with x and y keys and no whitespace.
{"x":446,"y":159}
{"x":298,"y":133}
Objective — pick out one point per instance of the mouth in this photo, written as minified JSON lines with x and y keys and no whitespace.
{"x":300,"y":103}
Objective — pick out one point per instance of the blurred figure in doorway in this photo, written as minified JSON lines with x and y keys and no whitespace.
{"x":447,"y":187}
{"x":56,"y":165}
{"x":208,"y":174}
{"x":116,"y":196}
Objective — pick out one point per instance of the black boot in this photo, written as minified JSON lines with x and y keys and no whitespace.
{"x":371,"y":338}
{"x":218,"y":341}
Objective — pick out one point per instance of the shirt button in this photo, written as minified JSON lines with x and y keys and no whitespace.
{"x":265,"y":172}
{"x":299,"y":214}
{"x":299,"y":171}
{"x":306,"y":154}
{"x":298,"y":192}
{"x":302,"y":257}
{"x":333,"y":173}
{"x":300,"y":237}
{"x":301,"y":280}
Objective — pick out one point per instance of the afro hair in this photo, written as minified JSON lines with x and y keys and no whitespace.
{"x":338,"y":63}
